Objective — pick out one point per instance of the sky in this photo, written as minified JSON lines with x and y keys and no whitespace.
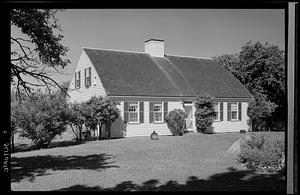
{"x":188,"y":32}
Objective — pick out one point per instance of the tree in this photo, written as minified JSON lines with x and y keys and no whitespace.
{"x":39,"y":52}
{"x":43,"y":118}
{"x":205,"y":113}
{"x":231,"y":63}
{"x":261,"y":68}
{"x":92,"y":113}
{"x":13,"y":123}
{"x":176,"y":121}
{"x":76,"y":119}
{"x":259,"y":110}
{"x":109,"y":114}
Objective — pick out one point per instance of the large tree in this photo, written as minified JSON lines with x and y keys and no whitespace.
{"x":36,"y":51}
{"x":261,"y":68}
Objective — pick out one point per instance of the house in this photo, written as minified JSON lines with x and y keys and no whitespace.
{"x":150,"y":84}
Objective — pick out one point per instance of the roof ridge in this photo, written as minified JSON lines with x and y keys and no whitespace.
{"x":118,"y":50}
{"x":190,"y":56}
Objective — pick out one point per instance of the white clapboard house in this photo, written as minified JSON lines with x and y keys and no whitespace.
{"x":150,"y":84}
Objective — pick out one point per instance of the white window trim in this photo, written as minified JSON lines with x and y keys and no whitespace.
{"x":86,"y":76}
{"x":138,"y":113}
{"x":218,"y":119}
{"x":237,"y":112}
{"x":162,"y":112}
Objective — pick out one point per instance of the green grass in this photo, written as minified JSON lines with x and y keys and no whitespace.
{"x":190,"y":162}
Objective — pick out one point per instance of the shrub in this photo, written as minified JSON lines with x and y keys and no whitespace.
{"x":176,"y":121}
{"x":260,"y":153}
{"x":101,"y":111}
{"x":204,"y":113}
{"x":42,"y":119}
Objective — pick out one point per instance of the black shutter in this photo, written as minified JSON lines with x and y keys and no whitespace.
{"x":240,"y":111}
{"x":150,"y":112}
{"x":85,"y":84}
{"x":228,"y":111}
{"x":165,"y":110}
{"x":221,"y":111}
{"x":141,"y":112}
{"x":90,"y":74}
{"x":126,"y":117}
{"x":79,"y":79}
{"x":75,"y":80}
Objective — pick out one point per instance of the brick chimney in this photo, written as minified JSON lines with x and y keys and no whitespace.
{"x":155,"y":47}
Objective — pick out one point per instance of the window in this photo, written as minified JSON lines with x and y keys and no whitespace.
{"x":158,"y":111}
{"x":87,"y":74}
{"x":234,"y":111}
{"x":217,"y":111}
{"x":77,"y":80}
{"x":133,"y":111}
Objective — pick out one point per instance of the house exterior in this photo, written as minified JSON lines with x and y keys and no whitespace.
{"x":150,"y":84}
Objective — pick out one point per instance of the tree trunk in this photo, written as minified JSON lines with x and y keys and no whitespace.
{"x":80,"y":133}
{"x":76,"y":136}
{"x":109,"y":129}
{"x":12,"y":143}
{"x":100,"y":130}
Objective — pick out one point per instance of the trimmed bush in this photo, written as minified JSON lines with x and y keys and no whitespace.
{"x":262,"y":154}
{"x":204,"y":114}
{"x":176,"y":121}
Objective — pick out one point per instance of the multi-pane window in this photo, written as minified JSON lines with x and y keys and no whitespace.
{"x":133,"y":112}
{"x":158,"y":111}
{"x":234,"y":111}
{"x":217,"y":111}
{"x":87,"y":73}
{"x":77,"y":80}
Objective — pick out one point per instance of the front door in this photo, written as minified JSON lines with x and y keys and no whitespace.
{"x":189,"y":120}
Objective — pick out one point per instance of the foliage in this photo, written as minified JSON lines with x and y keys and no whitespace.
{"x":13,"y":122}
{"x":99,"y":111}
{"x":261,"y":68}
{"x":43,"y":118}
{"x":176,"y":120}
{"x":38,"y":51}
{"x":259,"y":110}
{"x":230,"y":62}
{"x":260,"y":153}
{"x":76,"y":119}
{"x":204,"y":113}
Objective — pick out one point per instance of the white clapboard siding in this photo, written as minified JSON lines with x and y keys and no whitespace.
{"x":232,"y":126}
{"x":142,"y":129}
{"x":83,"y":93}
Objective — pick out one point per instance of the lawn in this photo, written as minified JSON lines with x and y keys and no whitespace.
{"x":190,"y":162}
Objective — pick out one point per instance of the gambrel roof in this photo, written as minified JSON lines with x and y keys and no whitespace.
{"x":125,"y":73}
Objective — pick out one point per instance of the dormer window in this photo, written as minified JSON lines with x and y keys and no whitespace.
{"x":87,"y":76}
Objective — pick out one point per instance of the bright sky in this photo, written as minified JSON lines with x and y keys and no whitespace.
{"x":190,"y":32}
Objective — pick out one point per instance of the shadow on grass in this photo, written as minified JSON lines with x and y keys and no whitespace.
{"x":30,"y":167}
{"x":30,"y":146}
{"x":233,"y":180}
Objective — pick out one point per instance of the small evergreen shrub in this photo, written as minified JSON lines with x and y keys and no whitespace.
{"x":204,"y":114}
{"x":260,"y":153}
{"x":176,"y":121}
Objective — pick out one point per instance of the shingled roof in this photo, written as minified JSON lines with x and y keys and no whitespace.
{"x":125,"y":73}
